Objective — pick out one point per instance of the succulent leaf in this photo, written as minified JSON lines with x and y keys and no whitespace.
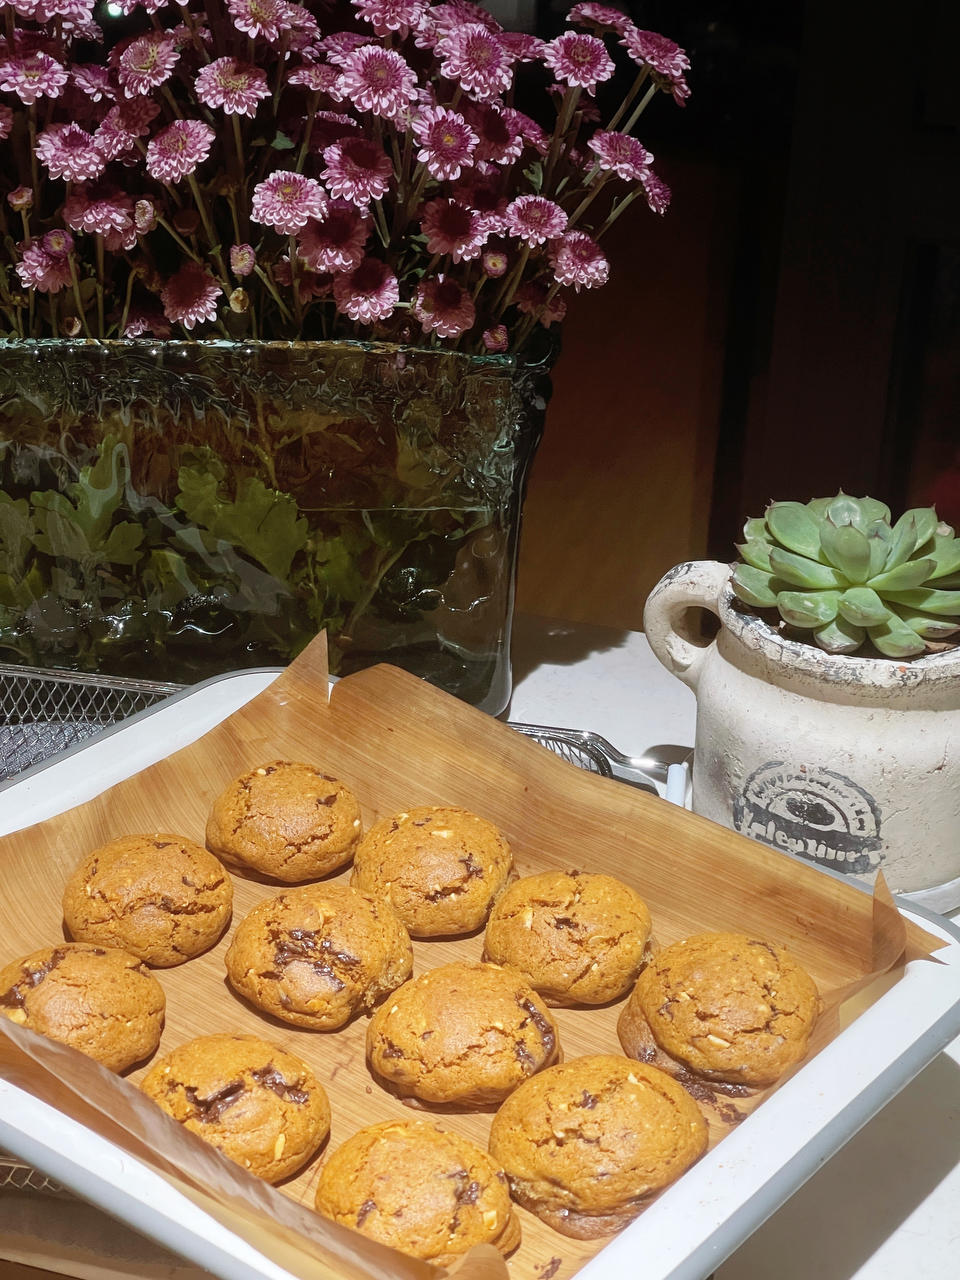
{"x":879,"y":536}
{"x":752,"y":586}
{"x":863,"y":607}
{"x":794,"y":528}
{"x":848,"y":548}
{"x":875,"y":511}
{"x":840,"y":636}
{"x":926,"y":625}
{"x":798,"y":571}
{"x":946,"y":557}
{"x":926,"y":518}
{"x":756,"y":553}
{"x":846,"y":510}
{"x":808,"y":609}
{"x":756,"y":528}
{"x":818,"y":507}
{"x":895,"y":639}
{"x":945,"y":604}
{"x":904,"y":577}
{"x":903,"y":541}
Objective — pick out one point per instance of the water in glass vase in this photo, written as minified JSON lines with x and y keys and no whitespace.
{"x":177,"y":510}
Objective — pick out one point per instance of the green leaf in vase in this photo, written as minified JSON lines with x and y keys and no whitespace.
{"x":16,"y":533}
{"x":261,"y":522}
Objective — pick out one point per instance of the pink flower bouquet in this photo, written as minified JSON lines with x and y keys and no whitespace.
{"x":267,"y":169}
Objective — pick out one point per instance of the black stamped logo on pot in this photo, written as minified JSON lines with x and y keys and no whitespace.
{"x":815,"y":813}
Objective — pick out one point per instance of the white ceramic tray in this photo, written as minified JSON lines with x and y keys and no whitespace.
{"x":684,"y":1235}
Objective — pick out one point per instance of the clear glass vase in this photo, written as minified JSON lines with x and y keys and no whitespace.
{"x":174,"y":510}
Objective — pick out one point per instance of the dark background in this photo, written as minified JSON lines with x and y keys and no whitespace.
{"x":822,"y":142}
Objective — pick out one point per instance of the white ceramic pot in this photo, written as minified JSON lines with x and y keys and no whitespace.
{"x":850,"y":762}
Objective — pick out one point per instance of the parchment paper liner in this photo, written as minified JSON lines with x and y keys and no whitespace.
{"x":398,"y":743}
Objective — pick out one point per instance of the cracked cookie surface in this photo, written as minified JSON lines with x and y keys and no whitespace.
{"x":461,"y":1033}
{"x":285,"y":820}
{"x":727,"y":1006}
{"x":440,"y":867}
{"x":419,"y":1188}
{"x":261,"y":1106}
{"x":587,"y":1143}
{"x":315,"y":955}
{"x":100,"y":1000}
{"x":577,"y":938}
{"x":160,"y":897}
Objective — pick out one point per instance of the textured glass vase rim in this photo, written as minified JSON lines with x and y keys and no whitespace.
{"x":491,"y":360}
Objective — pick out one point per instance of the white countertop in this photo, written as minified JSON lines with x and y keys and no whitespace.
{"x":887,"y":1206}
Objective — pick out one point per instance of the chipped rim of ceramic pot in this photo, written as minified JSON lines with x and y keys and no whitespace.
{"x":781,"y":654}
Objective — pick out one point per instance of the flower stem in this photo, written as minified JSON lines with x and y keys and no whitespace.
{"x":640,"y":109}
{"x":510,"y":284}
{"x":628,"y":100}
{"x":81,"y":314}
{"x":308,"y":130}
{"x":567,"y":107}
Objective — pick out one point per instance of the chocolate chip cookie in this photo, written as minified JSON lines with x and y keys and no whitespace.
{"x":441,"y":868}
{"x":315,"y":955}
{"x":586,"y":1144}
{"x":160,"y":897}
{"x":419,"y":1188}
{"x":261,"y":1106}
{"x":725,"y":1006}
{"x":100,"y":1000}
{"x":285,"y":820}
{"x":462,"y":1033}
{"x":577,"y":938}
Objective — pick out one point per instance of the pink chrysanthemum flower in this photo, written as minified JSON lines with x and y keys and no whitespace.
{"x":620,"y":153}
{"x":243,"y":259}
{"x":123,"y":124}
{"x":454,"y":229}
{"x":499,"y":139}
{"x":441,"y":19}
{"x":69,"y":152}
{"x":127,"y":7}
{"x":286,"y":201}
{"x":656,"y":191}
{"x":265,"y":18}
{"x":378,"y":80}
{"x":523,"y":47}
{"x":443,"y":307}
{"x":94,"y":81}
{"x":33,"y":76}
{"x":483,"y":193}
{"x":532,"y":132}
{"x":476,"y":58}
{"x":391,"y":15}
{"x":302,"y":29}
{"x":531,"y":299}
{"x":58,"y":243}
{"x":494,"y":262}
{"x":99,"y":210}
{"x":146,"y":63}
{"x":369,"y":292}
{"x":43,"y":271}
{"x":319,"y":77}
{"x":330,"y":127}
{"x":447,"y":143}
{"x":6,"y":122}
{"x":235,"y":86}
{"x":142,"y":321}
{"x":336,"y":242}
{"x":144,"y":217}
{"x":342,"y":44}
{"x":666,"y":60}
{"x":20,"y":199}
{"x":534,"y":219}
{"x":579,"y":60}
{"x":190,"y":296}
{"x":357,"y":170}
{"x":178,"y":149}
{"x":600,"y":15}
{"x":496,"y":338}
{"x":579,"y":261}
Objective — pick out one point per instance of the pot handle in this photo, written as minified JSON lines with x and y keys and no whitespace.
{"x":666,"y":615}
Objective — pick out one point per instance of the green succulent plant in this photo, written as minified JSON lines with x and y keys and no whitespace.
{"x":839,"y":569}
